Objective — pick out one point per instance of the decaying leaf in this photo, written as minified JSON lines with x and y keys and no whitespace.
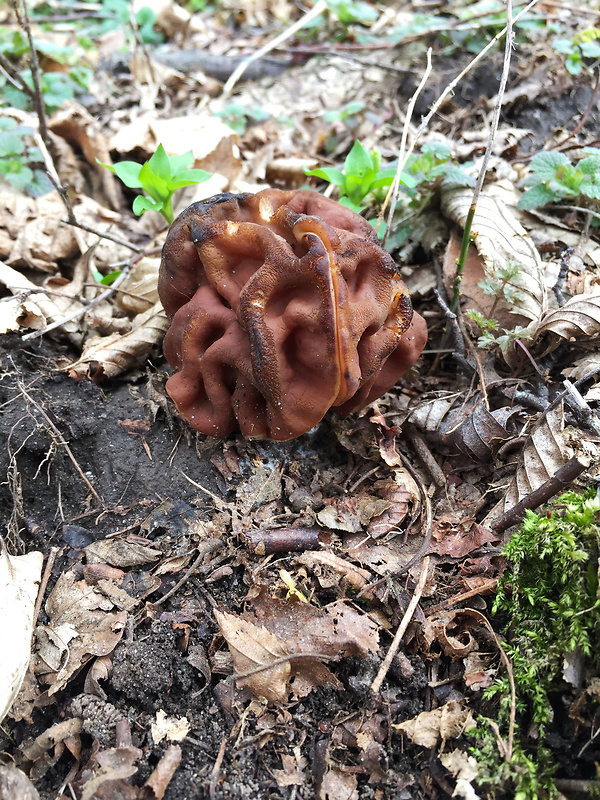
{"x":138,"y":291}
{"x":19,"y":580}
{"x":579,"y":318}
{"x":404,"y":495}
{"x":82,"y":623}
{"x":448,"y":722}
{"x":545,"y":452}
{"x":15,"y":785}
{"x":501,"y":240}
{"x":110,"y":356}
{"x":253,"y":646}
{"x":458,"y":537}
{"x":170,"y":728}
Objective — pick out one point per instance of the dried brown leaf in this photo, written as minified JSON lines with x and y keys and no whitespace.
{"x":578,"y":318}
{"x":448,"y":722}
{"x":458,"y":538}
{"x":545,"y":452}
{"x":110,"y":356}
{"x":501,"y":239}
{"x":254,"y":646}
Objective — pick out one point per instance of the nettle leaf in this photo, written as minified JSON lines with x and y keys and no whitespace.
{"x":591,"y":190}
{"x":11,"y":144}
{"x":590,"y":165}
{"x":160,"y":165}
{"x":545,"y":164}
{"x":590,"y":49}
{"x":439,"y":150}
{"x":328,"y":174}
{"x":536,"y":197}
{"x":455,"y":178}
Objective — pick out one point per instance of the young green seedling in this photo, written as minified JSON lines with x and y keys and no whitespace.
{"x":159,"y":178}
{"x":361,"y":176}
{"x":554,"y":178}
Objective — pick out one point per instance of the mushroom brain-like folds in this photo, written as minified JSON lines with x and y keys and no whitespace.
{"x":282,"y":306}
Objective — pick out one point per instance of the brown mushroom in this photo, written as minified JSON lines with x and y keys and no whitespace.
{"x":282,"y":306}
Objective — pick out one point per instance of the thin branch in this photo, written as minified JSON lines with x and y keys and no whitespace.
{"x":408,"y":615}
{"x":20,"y":7}
{"x":563,"y":477}
{"x":466,"y":240}
{"x":216,"y":770}
{"x":317,"y":9}
{"x":203,"y":550}
{"x":392,"y":193}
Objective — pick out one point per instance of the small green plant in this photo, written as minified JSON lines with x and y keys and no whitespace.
{"x":584,"y":45}
{"x":550,"y":597}
{"x":554,"y":178}
{"x":159,"y":178}
{"x":360,"y":177}
{"x":502,"y":289}
{"x":146,"y":21}
{"x":238,"y":116}
{"x":20,"y":160}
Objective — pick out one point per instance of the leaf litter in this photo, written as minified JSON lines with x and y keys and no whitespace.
{"x":238,"y":598}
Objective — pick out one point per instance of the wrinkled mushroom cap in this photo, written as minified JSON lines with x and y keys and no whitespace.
{"x":282,"y":305}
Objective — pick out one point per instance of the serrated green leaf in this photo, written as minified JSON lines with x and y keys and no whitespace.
{"x":591,"y":190}
{"x":160,"y":165}
{"x":547,"y":163}
{"x":563,"y":45}
{"x":536,"y":197}
{"x":439,"y":150}
{"x":590,"y":165}
{"x":20,"y":178}
{"x":11,"y":144}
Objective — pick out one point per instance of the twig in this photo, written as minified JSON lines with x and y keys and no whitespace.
{"x":459,"y":341}
{"x":466,"y":240}
{"x":203,"y":550}
{"x":80,"y":311}
{"x":237,"y":676}
{"x":408,"y":614}
{"x":22,"y":13}
{"x":102,"y":234}
{"x":425,"y":454}
{"x":61,"y":440}
{"x":392,"y":193}
{"x":460,"y":598}
{"x":44,"y":583}
{"x":317,"y":9}
{"x":216,"y":770}
{"x":14,"y":77}
{"x":567,"y":473}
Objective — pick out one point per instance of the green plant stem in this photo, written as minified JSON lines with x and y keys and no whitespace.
{"x":167,"y":211}
{"x":460,"y":261}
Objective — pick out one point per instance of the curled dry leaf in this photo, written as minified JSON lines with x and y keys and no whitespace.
{"x":582,"y":366}
{"x":545,"y":452}
{"x":110,"y":356}
{"x":465,"y":425}
{"x":81,"y":624}
{"x":501,"y":239}
{"x":19,"y":580}
{"x":403,"y":493}
{"x":458,"y":538}
{"x":448,"y":722}
{"x":138,"y":291}
{"x":38,"y":309}
{"x":579,"y":318}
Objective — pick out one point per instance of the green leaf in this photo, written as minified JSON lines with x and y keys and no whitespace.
{"x":107,"y":280}
{"x":160,"y":165}
{"x":536,"y":197}
{"x":590,"y":165}
{"x":153,"y":184}
{"x":126,"y":171}
{"x":11,"y":144}
{"x":192,"y":176}
{"x":356,"y":207}
{"x":328,"y":174}
{"x":545,"y":164}
{"x":358,"y":161}
{"x":180,"y":163}
{"x":591,"y":190}
{"x":563,"y":46}
{"x":141,"y":204}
